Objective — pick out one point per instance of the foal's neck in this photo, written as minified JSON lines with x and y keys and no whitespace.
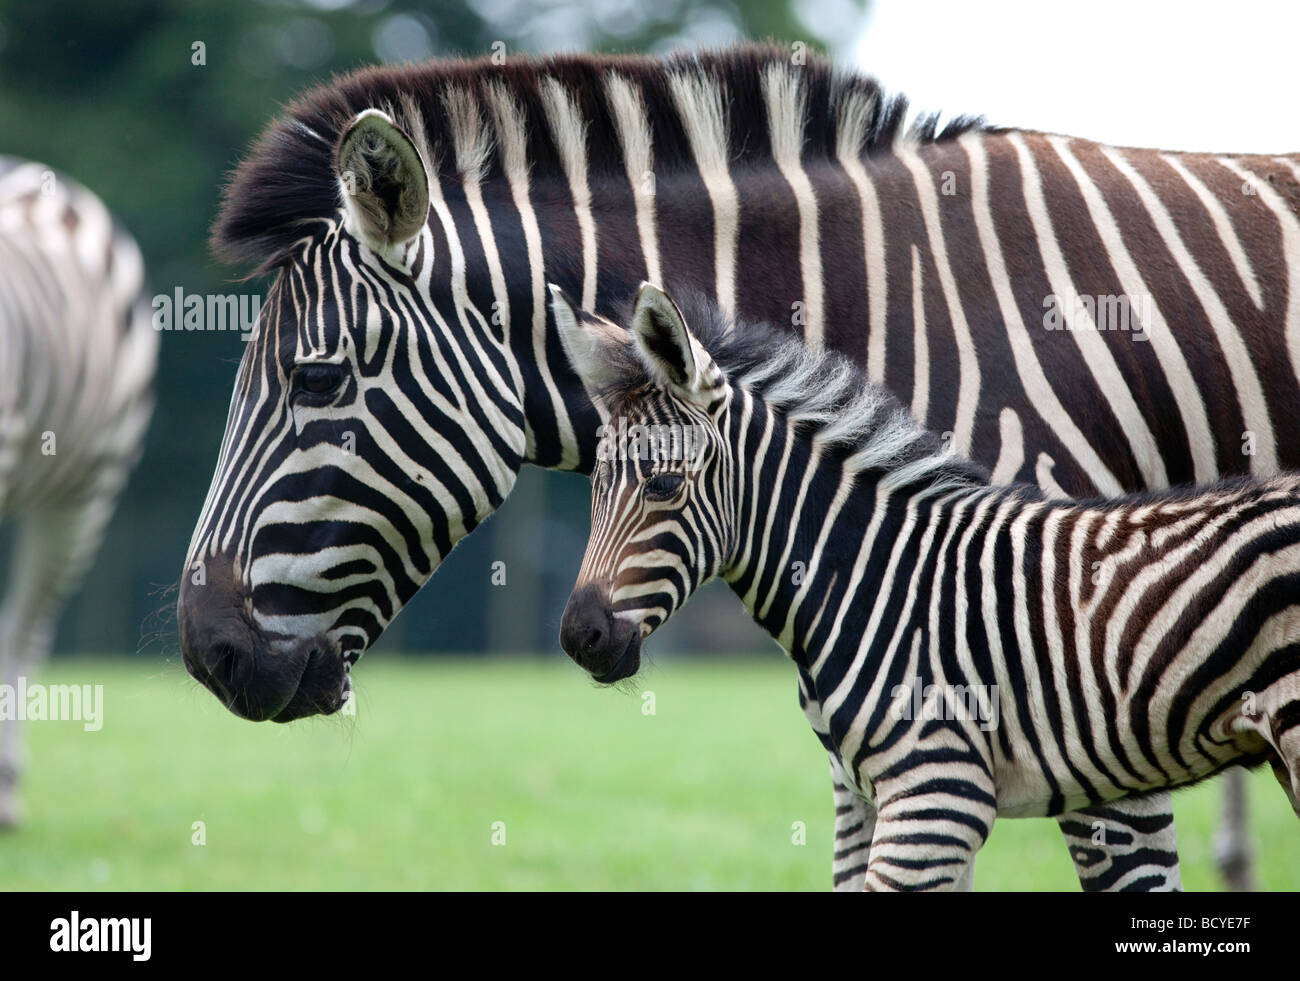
{"x":813,"y":520}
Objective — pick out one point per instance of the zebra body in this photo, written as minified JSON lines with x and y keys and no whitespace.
{"x":789,"y":193}
{"x":77,"y":360}
{"x":964,"y":650}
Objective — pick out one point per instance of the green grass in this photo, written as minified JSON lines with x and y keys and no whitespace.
{"x":593,"y":793}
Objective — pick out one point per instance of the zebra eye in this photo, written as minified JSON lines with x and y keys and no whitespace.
{"x":663,"y":486}
{"x":317,"y":380}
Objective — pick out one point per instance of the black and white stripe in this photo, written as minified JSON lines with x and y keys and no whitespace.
{"x":791,"y":194}
{"x":77,"y":360}
{"x":963,"y":650}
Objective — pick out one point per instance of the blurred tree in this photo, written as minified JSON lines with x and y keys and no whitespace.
{"x":150,"y":103}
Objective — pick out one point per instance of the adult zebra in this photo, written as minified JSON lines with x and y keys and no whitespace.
{"x":963,"y":651}
{"x":405,"y":365}
{"x":77,"y":359}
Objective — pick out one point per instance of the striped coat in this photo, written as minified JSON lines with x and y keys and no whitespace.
{"x":77,"y":361}
{"x":1077,"y":316}
{"x":964,"y":650}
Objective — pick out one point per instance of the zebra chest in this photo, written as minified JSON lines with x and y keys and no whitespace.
{"x":903,"y":710}
{"x":844,"y":774}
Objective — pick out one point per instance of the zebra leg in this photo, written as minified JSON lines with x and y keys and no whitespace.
{"x":51,"y":552}
{"x":926,"y":839}
{"x":1232,"y":851}
{"x":10,"y":751}
{"x":1127,"y":845}
{"x":855,"y":823}
{"x":8,"y":773}
{"x":23,"y":645}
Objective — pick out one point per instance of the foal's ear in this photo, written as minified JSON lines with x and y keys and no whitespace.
{"x":384,"y":182}
{"x":667,"y":346}
{"x":597,"y":349}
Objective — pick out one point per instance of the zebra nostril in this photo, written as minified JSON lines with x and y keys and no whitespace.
{"x":586,"y":627}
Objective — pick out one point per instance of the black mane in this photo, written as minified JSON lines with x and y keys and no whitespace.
{"x":287,"y":178}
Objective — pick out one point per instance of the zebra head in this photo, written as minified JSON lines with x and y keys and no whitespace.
{"x":661,"y":512}
{"x":365,"y":437}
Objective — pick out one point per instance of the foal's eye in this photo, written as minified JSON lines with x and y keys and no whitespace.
{"x":663,"y":486}
{"x":317,"y":380}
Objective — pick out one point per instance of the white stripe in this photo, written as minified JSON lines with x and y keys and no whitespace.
{"x":851,"y":136}
{"x":1011,"y":453}
{"x":629,"y":113}
{"x":1044,"y":478}
{"x":570,"y":134}
{"x":750,"y":598}
{"x":751,"y":482}
{"x":786,"y":113}
{"x":920,"y":343}
{"x":703,"y":117}
{"x":968,"y":366}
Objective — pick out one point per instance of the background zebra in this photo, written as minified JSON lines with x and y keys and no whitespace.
{"x":404,"y":370}
{"x":77,"y":358}
{"x":963,"y":650}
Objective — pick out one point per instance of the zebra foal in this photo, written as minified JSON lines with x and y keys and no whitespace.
{"x":964,"y":650}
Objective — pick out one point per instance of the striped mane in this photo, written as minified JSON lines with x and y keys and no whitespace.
{"x":472,"y":118}
{"x":825,"y":394}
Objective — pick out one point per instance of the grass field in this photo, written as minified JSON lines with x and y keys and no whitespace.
{"x":593,"y":792}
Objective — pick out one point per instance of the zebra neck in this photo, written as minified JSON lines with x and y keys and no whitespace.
{"x":812,"y":526}
{"x":753,"y":245}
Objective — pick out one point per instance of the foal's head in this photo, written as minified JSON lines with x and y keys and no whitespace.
{"x":662,"y":511}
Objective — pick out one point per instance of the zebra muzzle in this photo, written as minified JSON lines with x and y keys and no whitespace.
{"x":324,"y":686}
{"x":606,"y":646}
{"x":256,"y":677}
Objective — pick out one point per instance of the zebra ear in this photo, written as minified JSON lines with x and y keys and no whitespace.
{"x":597,"y":349}
{"x":667,"y":346}
{"x":384,"y":182}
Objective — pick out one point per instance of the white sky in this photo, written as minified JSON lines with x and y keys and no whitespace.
{"x":1214,"y":75}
